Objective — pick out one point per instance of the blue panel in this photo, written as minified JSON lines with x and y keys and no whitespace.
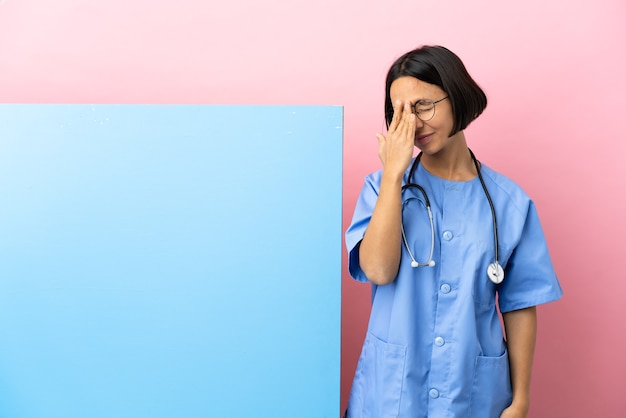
{"x":170,"y":261}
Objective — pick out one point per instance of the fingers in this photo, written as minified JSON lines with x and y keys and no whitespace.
{"x":406,"y":127}
{"x":402,"y":125}
{"x":395,"y":149}
{"x":397,"y":115}
{"x":403,"y":121}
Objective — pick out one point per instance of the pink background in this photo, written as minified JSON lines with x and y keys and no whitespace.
{"x":553,"y":71}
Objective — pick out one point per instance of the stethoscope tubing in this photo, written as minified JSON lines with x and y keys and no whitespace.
{"x":493,"y":211}
{"x":414,"y":262}
{"x":494,"y":270}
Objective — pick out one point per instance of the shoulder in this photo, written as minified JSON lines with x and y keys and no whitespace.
{"x":505,"y":190}
{"x":374,"y":178}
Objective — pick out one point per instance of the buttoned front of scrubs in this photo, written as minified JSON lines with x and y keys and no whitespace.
{"x":434,"y":345}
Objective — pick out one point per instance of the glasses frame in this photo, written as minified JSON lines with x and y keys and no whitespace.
{"x":426,"y":101}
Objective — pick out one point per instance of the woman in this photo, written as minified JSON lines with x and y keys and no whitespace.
{"x":434,"y":345}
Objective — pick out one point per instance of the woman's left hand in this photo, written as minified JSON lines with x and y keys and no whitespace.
{"x":514,"y":412}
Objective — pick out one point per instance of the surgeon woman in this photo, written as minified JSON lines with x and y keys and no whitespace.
{"x":446,"y":242}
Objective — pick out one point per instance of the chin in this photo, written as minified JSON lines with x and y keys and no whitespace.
{"x":428,"y":148}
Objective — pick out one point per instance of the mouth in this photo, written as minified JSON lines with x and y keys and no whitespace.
{"x":423,"y":139}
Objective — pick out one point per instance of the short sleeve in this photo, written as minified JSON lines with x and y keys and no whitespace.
{"x":360,"y":221}
{"x":529,"y":279}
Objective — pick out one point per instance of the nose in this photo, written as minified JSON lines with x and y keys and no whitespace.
{"x":418,"y":123}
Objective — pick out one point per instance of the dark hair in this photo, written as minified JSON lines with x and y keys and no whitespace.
{"x":440,"y":66}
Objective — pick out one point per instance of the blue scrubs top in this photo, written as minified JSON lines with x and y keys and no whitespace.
{"x":434,"y":345}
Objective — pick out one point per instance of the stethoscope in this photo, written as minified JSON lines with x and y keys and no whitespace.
{"x":494,"y":270}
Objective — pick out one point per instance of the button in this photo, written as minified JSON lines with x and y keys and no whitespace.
{"x":433,"y":393}
{"x":439,"y":341}
{"x":447,"y":235}
{"x":445,"y":288}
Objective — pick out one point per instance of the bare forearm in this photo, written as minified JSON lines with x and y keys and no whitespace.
{"x":521,"y":333}
{"x":379,"y":253}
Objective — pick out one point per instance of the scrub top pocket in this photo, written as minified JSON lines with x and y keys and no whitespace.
{"x":491,"y":388}
{"x":377,"y":389}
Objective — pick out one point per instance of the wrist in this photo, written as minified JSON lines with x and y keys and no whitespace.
{"x":521,"y":404}
{"x":392,"y":178}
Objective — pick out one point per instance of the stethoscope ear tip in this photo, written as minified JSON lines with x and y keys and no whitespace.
{"x":415,"y":263}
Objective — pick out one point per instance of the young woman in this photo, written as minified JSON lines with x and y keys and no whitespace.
{"x":439,"y":236}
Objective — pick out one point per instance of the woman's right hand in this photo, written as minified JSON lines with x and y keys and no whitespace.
{"x":379,"y":253}
{"x":396,"y":149}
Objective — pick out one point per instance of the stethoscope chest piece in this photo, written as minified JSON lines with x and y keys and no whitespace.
{"x":495,"y":273}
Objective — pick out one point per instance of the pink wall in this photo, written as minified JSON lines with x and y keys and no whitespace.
{"x":553,"y":72}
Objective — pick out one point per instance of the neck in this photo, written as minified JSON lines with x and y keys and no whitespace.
{"x":454,"y":162}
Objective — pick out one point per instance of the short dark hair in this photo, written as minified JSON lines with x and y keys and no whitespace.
{"x":440,"y":66}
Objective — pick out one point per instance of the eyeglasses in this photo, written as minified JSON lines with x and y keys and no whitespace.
{"x":425,"y":109}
